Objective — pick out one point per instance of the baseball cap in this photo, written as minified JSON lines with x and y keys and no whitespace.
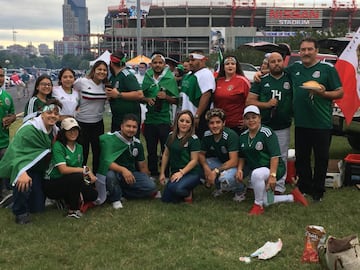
{"x":251,"y":109}
{"x":69,"y":123}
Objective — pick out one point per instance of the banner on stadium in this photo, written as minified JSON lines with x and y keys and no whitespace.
{"x":144,"y":8}
{"x":290,"y":17}
{"x":217,"y":39}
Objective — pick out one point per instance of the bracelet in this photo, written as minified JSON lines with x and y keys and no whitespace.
{"x":119,"y":95}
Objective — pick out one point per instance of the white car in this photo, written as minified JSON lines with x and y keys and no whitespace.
{"x":249,"y":71}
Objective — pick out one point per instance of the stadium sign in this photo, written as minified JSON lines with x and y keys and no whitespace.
{"x":287,"y":17}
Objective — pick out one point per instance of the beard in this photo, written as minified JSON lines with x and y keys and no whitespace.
{"x":112,"y":71}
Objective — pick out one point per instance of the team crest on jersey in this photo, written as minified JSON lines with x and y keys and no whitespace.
{"x":7,"y":101}
{"x":223,"y":150}
{"x":286,"y":85}
{"x":316,"y":74}
{"x":259,"y":146}
{"x":230,"y":87}
{"x":135,"y":152}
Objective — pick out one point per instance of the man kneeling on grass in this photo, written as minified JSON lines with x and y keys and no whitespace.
{"x":219,"y":156}
{"x":123,"y":163}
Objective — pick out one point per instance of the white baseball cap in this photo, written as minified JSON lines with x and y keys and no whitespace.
{"x":69,"y":123}
{"x":251,"y":109}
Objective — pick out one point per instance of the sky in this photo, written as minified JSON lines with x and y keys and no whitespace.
{"x":40,"y":21}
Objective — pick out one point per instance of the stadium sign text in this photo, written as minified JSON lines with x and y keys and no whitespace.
{"x":293,"y":17}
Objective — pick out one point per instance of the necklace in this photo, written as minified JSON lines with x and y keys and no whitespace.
{"x":250,"y":141}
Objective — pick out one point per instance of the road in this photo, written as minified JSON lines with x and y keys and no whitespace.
{"x":20,"y":103}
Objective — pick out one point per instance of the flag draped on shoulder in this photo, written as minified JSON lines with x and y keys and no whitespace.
{"x":166,"y":80}
{"x":348,"y":67}
{"x":112,"y":146}
{"x":30,"y":145}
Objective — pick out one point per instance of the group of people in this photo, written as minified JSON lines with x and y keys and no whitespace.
{"x":246,"y":133}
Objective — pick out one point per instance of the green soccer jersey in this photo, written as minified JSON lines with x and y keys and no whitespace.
{"x":269,"y":87}
{"x":181,"y":155}
{"x":6,"y":107}
{"x":131,"y":156}
{"x":229,"y":142}
{"x":126,"y":82}
{"x":62,"y":154}
{"x":259,"y":150}
{"x":313,"y":111}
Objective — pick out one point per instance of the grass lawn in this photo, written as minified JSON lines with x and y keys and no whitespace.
{"x":148,"y":234}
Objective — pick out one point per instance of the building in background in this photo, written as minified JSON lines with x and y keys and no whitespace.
{"x":76,"y":29}
{"x":179,"y":26}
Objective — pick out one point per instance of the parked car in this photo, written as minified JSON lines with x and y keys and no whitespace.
{"x":249,"y":71}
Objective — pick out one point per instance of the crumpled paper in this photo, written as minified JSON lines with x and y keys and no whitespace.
{"x":268,"y":250}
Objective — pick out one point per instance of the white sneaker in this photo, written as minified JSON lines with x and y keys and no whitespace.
{"x":117,"y":205}
{"x":217,"y":193}
{"x":239,"y":197}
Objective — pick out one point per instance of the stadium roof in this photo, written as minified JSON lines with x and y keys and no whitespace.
{"x":259,"y":3}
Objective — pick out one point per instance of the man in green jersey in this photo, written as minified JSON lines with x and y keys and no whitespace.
{"x":313,"y":116}
{"x":7,"y":116}
{"x":125,"y":93}
{"x":273,"y":96}
{"x":196,"y":89}
{"x":160,"y":91}
{"x":122,"y":161}
{"x":219,"y":156}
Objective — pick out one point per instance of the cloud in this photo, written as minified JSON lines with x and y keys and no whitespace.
{"x":40,"y":21}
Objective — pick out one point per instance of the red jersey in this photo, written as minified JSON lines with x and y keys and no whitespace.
{"x":230,"y":95}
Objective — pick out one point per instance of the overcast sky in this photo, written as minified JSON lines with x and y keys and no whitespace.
{"x":40,"y":21}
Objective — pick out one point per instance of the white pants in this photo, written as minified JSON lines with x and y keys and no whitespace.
{"x":259,"y":178}
{"x":284,"y":141}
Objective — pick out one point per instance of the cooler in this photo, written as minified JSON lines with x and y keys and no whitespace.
{"x":352,"y":169}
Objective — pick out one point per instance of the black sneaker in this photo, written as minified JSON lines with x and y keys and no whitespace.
{"x":317,"y":198}
{"x":23,"y":219}
{"x":7,"y":199}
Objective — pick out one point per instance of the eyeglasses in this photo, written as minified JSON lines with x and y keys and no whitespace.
{"x":45,"y":84}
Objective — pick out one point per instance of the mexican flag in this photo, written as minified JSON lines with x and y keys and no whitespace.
{"x":348,"y":67}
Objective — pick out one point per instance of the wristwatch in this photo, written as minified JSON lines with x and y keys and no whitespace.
{"x":217,"y":171}
{"x":273,"y":175}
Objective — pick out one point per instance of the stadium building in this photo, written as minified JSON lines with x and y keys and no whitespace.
{"x":179,"y":26}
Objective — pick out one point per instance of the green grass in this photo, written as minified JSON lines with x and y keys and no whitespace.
{"x":148,"y":234}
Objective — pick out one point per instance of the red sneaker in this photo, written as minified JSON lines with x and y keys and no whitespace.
{"x":85,"y":206}
{"x":298,"y":197}
{"x":189,"y":199}
{"x":256,"y":210}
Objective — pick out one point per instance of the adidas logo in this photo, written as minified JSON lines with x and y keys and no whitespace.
{"x":267,"y":85}
{"x":297,"y":73}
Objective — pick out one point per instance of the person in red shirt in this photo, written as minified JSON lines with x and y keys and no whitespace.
{"x":232,"y":88}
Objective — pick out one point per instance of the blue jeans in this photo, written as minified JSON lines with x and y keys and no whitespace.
{"x":32,"y":200}
{"x":177,"y":191}
{"x":226,"y":180}
{"x":117,"y":187}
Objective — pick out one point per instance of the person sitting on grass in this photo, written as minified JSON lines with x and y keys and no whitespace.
{"x":65,"y":177}
{"x":259,"y":150}
{"x":219,"y":156}
{"x":122,"y":162}
{"x":181,"y":152}
{"x":26,"y":160}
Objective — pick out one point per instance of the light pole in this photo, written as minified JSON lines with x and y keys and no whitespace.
{"x":138,"y":28}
